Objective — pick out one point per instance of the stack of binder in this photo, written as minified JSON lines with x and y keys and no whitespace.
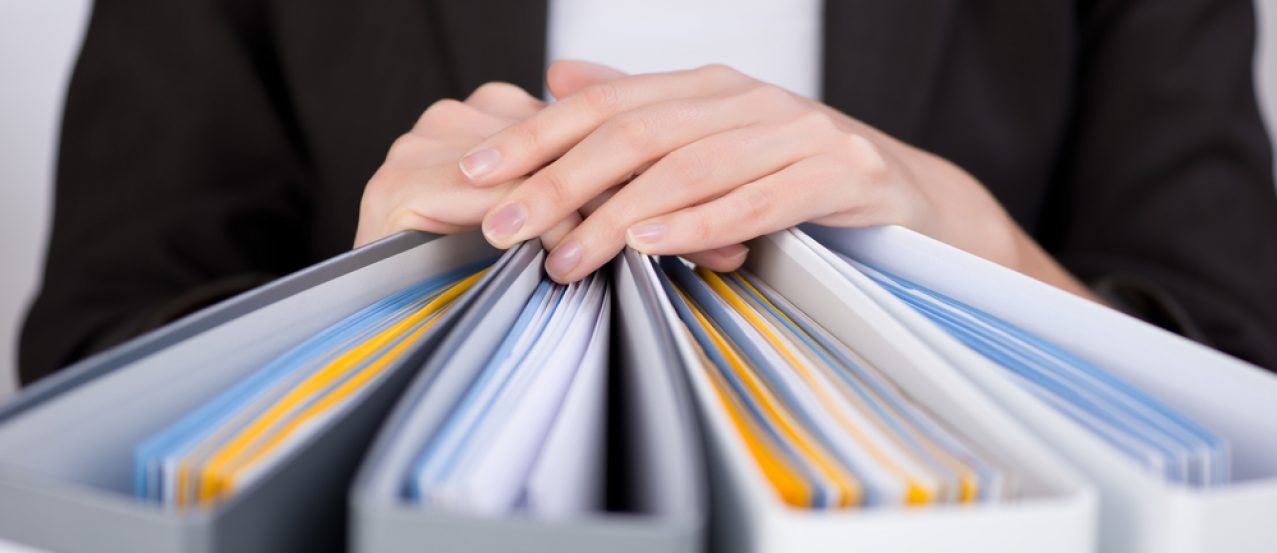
{"x":847,"y":388}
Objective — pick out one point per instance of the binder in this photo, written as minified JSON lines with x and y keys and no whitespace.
{"x":1138,"y":512}
{"x":655,"y":478}
{"x":66,"y":445}
{"x":680,"y":476}
{"x":1055,"y":513}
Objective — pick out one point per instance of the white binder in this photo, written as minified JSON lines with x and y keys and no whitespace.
{"x":1138,"y":513}
{"x":1055,"y":514}
{"x":655,"y":460}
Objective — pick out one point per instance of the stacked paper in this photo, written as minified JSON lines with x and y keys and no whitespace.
{"x":232,"y":440}
{"x":527,"y":433}
{"x":827,"y":429}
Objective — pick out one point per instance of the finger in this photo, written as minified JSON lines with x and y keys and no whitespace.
{"x":614,"y":151}
{"x":454,"y":122}
{"x":504,"y":100}
{"x":447,"y":199}
{"x":698,"y":172}
{"x":723,"y":260}
{"x":565,"y":77}
{"x":547,"y":135}
{"x":428,"y":199}
{"x":778,"y":201}
{"x":417,"y":149}
{"x":423,"y":211}
{"x":553,"y":237}
{"x":595,"y":203}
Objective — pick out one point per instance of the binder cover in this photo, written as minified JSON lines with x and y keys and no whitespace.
{"x":1055,"y":513}
{"x":66,"y":445}
{"x":656,"y":478}
{"x":1138,"y":513}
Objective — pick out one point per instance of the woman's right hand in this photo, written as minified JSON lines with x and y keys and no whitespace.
{"x":420,"y":186}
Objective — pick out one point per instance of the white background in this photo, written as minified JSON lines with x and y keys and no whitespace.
{"x":38,"y":44}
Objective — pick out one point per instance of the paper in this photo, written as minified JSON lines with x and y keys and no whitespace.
{"x":230,"y":441}
{"x":567,"y":477}
{"x":826,"y":432}
{"x":526,"y":403}
{"x":1151,"y":433}
{"x":940,"y":449}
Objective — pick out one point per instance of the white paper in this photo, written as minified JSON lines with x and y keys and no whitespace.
{"x":453,"y":433}
{"x":567,"y":478}
{"x":491,"y":474}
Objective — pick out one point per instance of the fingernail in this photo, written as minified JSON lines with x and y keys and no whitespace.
{"x":733,"y":251}
{"x":647,"y":233}
{"x":506,"y":221}
{"x":479,"y":162}
{"x":564,"y":259}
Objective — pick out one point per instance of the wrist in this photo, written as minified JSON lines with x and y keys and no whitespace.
{"x":961,"y":212}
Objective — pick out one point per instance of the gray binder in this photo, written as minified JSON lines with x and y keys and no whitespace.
{"x":66,"y":443}
{"x":657,"y":501}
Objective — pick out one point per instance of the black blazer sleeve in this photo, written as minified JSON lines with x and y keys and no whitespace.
{"x":163,"y":202}
{"x":1166,"y":189}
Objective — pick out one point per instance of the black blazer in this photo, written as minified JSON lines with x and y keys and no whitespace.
{"x":210,"y":145}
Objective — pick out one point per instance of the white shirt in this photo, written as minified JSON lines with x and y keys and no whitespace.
{"x":775,"y":41}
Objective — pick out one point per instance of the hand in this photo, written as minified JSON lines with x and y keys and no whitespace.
{"x":420,"y":187}
{"x":724,"y":158}
{"x":720,"y":158}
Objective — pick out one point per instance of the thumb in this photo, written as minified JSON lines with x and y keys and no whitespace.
{"x":567,"y":76}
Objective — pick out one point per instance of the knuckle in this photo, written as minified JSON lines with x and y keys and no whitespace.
{"x":406,"y":146}
{"x":524,"y":136}
{"x":409,"y":218}
{"x":770,"y":96}
{"x":446,"y":106}
{"x":371,"y":199}
{"x":818,"y":123}
{"x":401,"y":147}
{"x":498,"y":90}
{"x":631,"y":129}
{"x":718,"y":72}
{"x":688,"y":166}
{"x":699,"y":227}
{"x":753,"y":205}
{"x":402,"y":219}
{"x":608,"y":221}
{"x":381,"y":188}
{"x":865,"y":156}
{"x":439,"y":111}
{"x":603,"y":98}
{"x":377,"y":185}
{"x":827,"y":167}
{"x":554,"y":187}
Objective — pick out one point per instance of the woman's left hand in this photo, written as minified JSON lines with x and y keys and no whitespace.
{"x":720,"y":158}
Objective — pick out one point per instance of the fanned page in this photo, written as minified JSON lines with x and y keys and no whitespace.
{"x":231,"y":441}
{"x":525,"y":434}
{"x":1164,"y":442}
{"x":826,"y":429}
